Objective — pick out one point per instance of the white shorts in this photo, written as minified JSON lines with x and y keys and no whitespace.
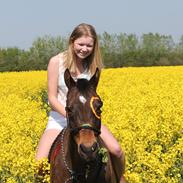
{"x":56,"y":121}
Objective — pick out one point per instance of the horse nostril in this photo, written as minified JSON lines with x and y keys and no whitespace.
{"x":86,"y":150}
{"x":83,"y":148}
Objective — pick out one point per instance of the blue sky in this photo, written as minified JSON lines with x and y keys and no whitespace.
{"x":21,"y":21}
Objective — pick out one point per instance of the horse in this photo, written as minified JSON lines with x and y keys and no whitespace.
{"x":78,"y":154}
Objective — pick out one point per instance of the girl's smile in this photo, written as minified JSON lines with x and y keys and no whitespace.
{"x":83,"y":47}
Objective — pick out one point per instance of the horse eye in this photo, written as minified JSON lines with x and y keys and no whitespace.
{"x":100,"y":104}
{"x":98,"y":107}
{"x":98,"y":110}
{"x":97,"y":104}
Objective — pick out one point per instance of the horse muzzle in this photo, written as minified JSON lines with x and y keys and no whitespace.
{"x":88,"y":153}
{"x":86,"y":141}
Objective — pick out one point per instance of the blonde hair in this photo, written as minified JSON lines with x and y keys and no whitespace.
{"x":92,"y":61}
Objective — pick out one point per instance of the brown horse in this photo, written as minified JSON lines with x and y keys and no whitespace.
{"x":78,"y":154}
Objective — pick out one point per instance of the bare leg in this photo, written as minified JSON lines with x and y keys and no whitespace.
{"x":110,"y":141}
{"x":114,"y":147}
{"x":45,"y":143}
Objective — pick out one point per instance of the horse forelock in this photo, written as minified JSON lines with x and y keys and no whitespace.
{"x":83,"y":85}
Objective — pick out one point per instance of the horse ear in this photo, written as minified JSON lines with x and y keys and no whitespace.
{"x":69,"y":81}
{"x":95,"y":78}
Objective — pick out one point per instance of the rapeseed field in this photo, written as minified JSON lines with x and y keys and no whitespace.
{"x":143,"y":107}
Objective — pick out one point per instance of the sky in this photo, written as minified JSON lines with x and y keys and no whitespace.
{"x":23,"y":21}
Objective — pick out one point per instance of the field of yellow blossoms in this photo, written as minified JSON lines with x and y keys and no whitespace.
{"x":143,"y":107}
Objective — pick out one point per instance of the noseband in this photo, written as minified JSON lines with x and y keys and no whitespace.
{"x":85,"y":126}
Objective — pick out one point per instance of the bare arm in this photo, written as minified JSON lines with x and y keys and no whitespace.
{"x":53,"y":71}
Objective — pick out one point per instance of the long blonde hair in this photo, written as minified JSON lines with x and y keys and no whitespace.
{"x":92,"y":61}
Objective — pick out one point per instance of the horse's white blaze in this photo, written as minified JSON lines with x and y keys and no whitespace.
{"x":82,"y":99}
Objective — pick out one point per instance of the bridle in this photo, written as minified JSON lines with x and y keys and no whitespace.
{"x":86,"y":125}
{"x":74,"y":175}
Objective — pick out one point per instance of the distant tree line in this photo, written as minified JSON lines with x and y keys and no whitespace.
{"x":118,"y":50}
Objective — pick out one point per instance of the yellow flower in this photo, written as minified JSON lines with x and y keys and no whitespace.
{"x":143,"y":108}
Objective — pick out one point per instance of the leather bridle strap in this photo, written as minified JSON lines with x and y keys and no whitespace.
{"x":85,"y":126}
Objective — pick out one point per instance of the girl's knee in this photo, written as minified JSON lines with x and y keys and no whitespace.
{"x":117,"y":151}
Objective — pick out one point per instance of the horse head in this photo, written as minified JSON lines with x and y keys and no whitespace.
{"x":83,"y":109}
